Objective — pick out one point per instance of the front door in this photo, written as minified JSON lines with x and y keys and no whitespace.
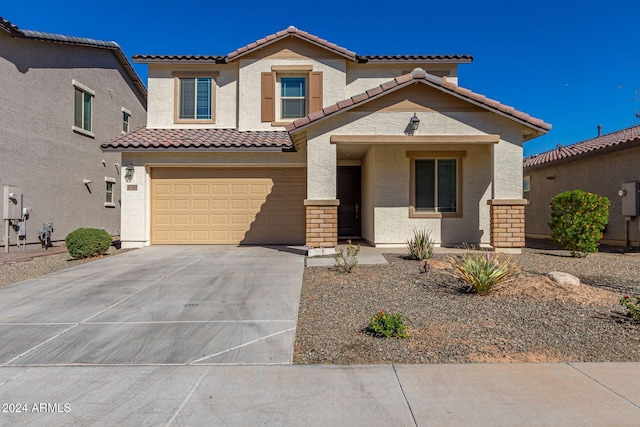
{"x":349,"y":211}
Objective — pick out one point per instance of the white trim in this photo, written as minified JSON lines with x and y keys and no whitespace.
{"x":83,"y":132}
{"x":124,"y":110}
{"x":83,"y":87}
{"x":109,"y":205}
{"x":109,"y":179}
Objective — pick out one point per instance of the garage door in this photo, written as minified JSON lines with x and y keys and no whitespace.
{"x":228,"y":206}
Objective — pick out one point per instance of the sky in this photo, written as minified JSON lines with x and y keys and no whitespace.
{"x":574,"y":64}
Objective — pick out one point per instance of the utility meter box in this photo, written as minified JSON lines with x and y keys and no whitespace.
{"x":11,"y":202}
{"x":630,"y":198}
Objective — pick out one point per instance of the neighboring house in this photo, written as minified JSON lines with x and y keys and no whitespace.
{"x":295,"y":140}
{"x":600,"y":165}
{"x":61,"y":98}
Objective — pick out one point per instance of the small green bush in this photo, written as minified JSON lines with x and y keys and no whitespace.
{"x":482,"y":270}
{"x":87,"y":242}
{"x":421,"y":246}
{"x":577,"y":221}
{"x":388,"y":325}
{"x":349,"y":260}
{"x":633,"y":306}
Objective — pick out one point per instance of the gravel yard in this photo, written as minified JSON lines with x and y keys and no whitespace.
{"x":530,"y":319}
{"x":12,"y":272}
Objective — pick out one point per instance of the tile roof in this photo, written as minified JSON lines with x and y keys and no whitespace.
{"x":610,"y":142}
{"x":419,"y":75}
{"x":14,"y":31}
{"x":144,"y":139}
{"x":291,"y":31}
{"x":415,"y":58}
{"x":186,"y":58}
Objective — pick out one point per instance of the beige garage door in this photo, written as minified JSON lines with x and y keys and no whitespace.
{"x":228,"y":206}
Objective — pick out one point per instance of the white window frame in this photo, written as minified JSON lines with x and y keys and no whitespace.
{"x":526,"y":187}
{"x":279,"y":97}
{"x":109,"y":181}
{"x":126,"y":120}
{"x":84,"y":90}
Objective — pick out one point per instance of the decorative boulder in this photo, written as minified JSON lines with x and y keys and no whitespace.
{"x":563,"y":278}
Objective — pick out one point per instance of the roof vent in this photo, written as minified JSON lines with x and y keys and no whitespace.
{"x":599,"y":131}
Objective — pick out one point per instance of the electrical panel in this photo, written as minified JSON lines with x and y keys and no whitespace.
{"x":11,"y":202}
{"x":630,"y":198}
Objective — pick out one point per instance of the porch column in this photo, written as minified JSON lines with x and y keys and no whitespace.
{"x":322,"y":226}
{"x":507,"y":224}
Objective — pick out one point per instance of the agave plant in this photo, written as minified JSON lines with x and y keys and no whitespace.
{"x":482,"y":270}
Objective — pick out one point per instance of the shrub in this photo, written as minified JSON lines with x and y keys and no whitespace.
{"x":577,"y":221}
{"x":632,"y":305}
{"x":87,"y":242}
{"x":421,"y":246}
{"x":348,"y":261}
{"x":482,"y":270}
{"x":388,"y":325}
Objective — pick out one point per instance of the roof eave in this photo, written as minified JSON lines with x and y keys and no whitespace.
{"x":352,"y":56}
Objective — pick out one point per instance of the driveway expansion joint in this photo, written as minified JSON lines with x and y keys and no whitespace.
{"x":603,"y":385}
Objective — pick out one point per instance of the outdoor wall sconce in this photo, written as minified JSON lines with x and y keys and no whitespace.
{"x":415,"y":122}
{"x":129,"y":172}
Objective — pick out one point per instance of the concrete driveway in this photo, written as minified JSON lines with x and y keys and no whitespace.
{"x":180,"y":305}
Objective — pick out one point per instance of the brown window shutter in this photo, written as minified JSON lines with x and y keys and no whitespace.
{"x":315,"y":91}
{"x":268,"y":96}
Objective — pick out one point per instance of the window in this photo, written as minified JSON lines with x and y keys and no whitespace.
{"x":526,"y":187}
{"x":195,"y":98}
{"x":110,"y":184}
{"x":83,"y":109}
{"x":126,"y":116}
{"x":435,"y":184}
{"x":292,"y":97}
{"x":290,"y":92}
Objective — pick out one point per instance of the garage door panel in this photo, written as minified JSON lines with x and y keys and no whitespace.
{"x":227,"y":206}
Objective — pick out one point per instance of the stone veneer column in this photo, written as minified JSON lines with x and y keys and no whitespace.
{"x":507,"y":224}
{"x":322,"y":225}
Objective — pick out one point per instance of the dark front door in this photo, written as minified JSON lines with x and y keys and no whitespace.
{"x":349,"y":210}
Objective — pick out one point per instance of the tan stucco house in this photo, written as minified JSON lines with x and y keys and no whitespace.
{"x":607,"y":165}
{"x":292,"y":139}
{"x":61,"y":97}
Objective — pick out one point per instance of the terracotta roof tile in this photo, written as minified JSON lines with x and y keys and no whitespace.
{"x":619,"y":140}
{"x":295,"y":32}
{"x":419,"y":75}
{"x":185,"y":139}
{"x":416,"y":58}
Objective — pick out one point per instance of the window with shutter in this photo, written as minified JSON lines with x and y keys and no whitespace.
{"x":289,"y":93}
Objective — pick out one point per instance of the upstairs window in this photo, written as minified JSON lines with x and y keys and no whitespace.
{"x":526,"y":187}
{"x":126,"y":117}
{"x":83,"y":109}
{"x":293,"y":97}
{"x":110,"y":184}
{"x":195,"y":98}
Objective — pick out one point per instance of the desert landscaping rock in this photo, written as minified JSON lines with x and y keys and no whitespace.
{"x":529,"y":319}
{"x":563,"y":278}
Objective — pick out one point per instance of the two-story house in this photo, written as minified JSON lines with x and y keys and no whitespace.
{"x":60,"y":98}
{"x":292,"y":139}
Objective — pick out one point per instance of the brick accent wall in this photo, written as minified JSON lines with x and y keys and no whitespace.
{"x":507,"y":224}
{"x":322,"y":226}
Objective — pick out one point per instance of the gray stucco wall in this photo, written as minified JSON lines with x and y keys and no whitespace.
{"x":40,"y":151}
{"x":602,"y":175}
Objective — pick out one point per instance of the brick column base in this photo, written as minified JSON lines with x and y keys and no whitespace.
{"x":507,"y":224}
{"x":322,"y":224}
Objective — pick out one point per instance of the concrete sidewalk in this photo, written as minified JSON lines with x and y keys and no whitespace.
{"x":585,"y":394}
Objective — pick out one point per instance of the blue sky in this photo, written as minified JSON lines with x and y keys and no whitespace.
{"x":574,"y":64}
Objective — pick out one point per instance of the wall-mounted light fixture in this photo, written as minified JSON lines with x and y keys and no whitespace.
{"x":128,"y":176}
{"x":414,"y":123}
